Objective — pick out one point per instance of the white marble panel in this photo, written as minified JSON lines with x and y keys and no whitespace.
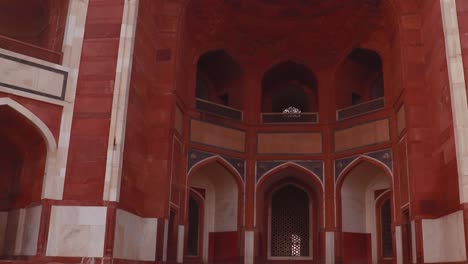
{"x":77,"y":231}
{"x":135,"y":237}
{"x":120,"y":102}
{"x":32,"y":221}
{"x":180,"y":243}
{"x":20,"y":74}
{"x":413,"y":241}
{"x":249,"y":250}
{"x":3,"y":225}
{"x":11,"y":243}
{"x":444,"y":239}
{"x":399,"y":245}
{"x":457,"y":84}
{"x":330,"y":247}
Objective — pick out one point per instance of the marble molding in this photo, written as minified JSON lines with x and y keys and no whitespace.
{"x":444,"y":239}
{"x":19,"y":231}
{"x":135,"y":237}
{"x":77,"y":231}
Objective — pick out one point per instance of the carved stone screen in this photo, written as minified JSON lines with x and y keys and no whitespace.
{"x":194,"y":227}
{"x":290,"y":223}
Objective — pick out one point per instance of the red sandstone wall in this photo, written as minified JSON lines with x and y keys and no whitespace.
{"x":145,"y":173}
{"x":445,"y":178}
{"x":90,"y":130}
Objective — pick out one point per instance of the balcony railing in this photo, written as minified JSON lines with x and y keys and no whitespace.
{"x":289,"y":118}
{"x":30,"y":50}
{"x":360,"y":109}
{"x":218,"y":109}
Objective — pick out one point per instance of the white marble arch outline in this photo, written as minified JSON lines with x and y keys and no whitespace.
{"x":362,"y":158}
{"x":48,"y":181}
{"x":288,"y":164}
{"x":365,"y":158}
{"x":214,"y":159}
{"x":233,"y":171}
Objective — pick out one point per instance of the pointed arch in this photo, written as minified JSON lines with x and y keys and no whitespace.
{"x":41,"y":126}
{"x":284,"y":166}
{"x":285,"y":174}
{"x":356,"y":162}
{"x":221,"y":161}
{"x":50,"y":180}
{"x":223,"y":185}
{"x":374,"y":174}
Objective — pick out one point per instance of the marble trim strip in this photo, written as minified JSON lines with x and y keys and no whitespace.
{"x":44,"y":67}
{"x":196,"y":157}
{"x":116,"y":140}
{"x":314,"y":166}
{"x":382,"y":156}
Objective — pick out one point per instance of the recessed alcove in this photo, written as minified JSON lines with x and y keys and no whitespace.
{"x":359,"y":84}
{"x":289,"y":94}
{"x":219,"y":85}
{"x":34,"y":27}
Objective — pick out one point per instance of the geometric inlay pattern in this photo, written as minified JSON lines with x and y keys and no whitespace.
{"x":314,"y":166}
{"x":384,"y":156}
{"x":195,"y":156}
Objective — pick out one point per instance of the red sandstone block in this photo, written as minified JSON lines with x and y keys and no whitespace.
{"x":92,"y":127}
{"x":99,"y":31}
{"x":105,"y":12}
{"x":102,"y":67}
{"x":83,"y":191}
{"x":94,"y":104}
{"x":462,"y":5}
{"x":100,"y":48}
{"x":95,"y":87}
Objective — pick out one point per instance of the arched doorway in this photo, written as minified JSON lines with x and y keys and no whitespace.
{"x":365,"y":213}
{"x":289,"y":215}
{"x":213,"y":214}
{"x":289,"y":222}
{"x":23,"y":155}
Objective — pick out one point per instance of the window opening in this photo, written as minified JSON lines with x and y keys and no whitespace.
{"x":290,"y":223}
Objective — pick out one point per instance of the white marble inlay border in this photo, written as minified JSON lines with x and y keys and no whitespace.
{"x":120,"y":102}
{"x":457,"y":92}
{"x":72,"y":46}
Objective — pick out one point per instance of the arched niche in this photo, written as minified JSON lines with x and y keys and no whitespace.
{"x":359,"y":78}
{"x":219,"y":79}
{"x":359,"y":205}
{"x":289,"y":84}
{"x":218,"y":193}
{"x":36,"y":22}
{"x":23,"y":158}
{"x":294,"y":188}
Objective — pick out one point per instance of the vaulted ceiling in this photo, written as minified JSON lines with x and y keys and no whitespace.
{"x":318,"y":31}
